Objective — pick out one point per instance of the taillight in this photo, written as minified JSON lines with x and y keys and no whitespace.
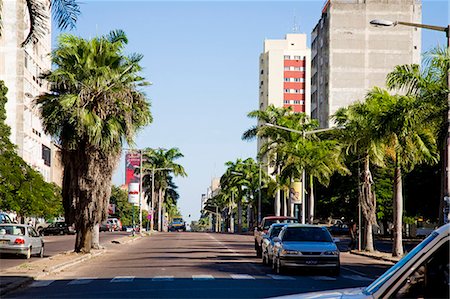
{"x":19,"y":241}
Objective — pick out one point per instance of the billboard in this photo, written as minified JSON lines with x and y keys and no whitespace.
{"x":295,"y":193}
{"x":132,"y":163}
{"x":133,"y":193}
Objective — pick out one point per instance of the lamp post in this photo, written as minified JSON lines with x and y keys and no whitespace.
{"x":446,"y":162}
{"x":303,"y":133}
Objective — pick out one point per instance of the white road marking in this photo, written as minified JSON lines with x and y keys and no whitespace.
{"x":41,"y":283}
{"x":122,"y":279}
{"x":323,"y":278}
{"x":82,"y":280}
{"x":357,"y":277}
{"x":280,"y":277}
{"x":162,"y":278}
{"x":241,"y":276}
{"x":202,"y":277}
{"x":354,"y":271}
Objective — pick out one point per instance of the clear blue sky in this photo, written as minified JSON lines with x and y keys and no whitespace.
{"x":202,"y":58}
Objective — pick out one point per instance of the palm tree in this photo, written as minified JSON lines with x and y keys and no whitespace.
{"x":94,"y":105}
{"x":430,"y":85}
{"x":164,"y":160}
{"x":401,"y":123}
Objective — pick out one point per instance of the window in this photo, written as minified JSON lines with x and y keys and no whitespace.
{"x":296,"y":68}
{"x":297,"y":57}
{"x":287,"y":57}
{"x":286,"y":68}
{"x":286,"y":80}
{"x":296,"y":90}
{"x":302,"y":79}
{"x":46,"y":155}
{"x":286,"y":101}
{"x":302,"y":69}
{"x":286,"y":90}
{"x":296,"y":79}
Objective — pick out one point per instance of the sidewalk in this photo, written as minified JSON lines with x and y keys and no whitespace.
{"x":377,"y":255}
{"x":16,"y":277}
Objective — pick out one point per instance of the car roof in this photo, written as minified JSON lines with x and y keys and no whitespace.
{"x":305,"y":225}
{"x":279,"y":218}
{"x":15,"y":224}
{"x":279,"y":224}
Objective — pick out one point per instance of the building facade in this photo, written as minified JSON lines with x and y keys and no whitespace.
{"x":349,"y":56}
{"x":20,"y":68}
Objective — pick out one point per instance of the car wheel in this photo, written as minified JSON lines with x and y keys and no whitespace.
{"x":41,"y":252}
{"x":61,"y":232}
{"x":28,"y":254}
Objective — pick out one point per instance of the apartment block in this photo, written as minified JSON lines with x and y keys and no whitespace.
{"x":350,"y":56}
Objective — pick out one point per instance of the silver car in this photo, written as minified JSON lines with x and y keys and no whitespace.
{"x":20,"y":239}
{"x":267,"y":242}
{"x":305,"y":246}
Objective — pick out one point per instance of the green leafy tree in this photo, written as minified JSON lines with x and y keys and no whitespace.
{"x":94,"y":105}
{"x":124,"y":209}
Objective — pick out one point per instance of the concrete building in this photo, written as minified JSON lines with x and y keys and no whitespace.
{"x":349,"y":56}
{"x":20,"y":68}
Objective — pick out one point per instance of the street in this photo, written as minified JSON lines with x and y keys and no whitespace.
{"x":55,"y":245}
{"x":192,"y":265}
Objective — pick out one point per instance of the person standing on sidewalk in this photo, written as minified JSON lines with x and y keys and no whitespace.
{"x":353,"y":235}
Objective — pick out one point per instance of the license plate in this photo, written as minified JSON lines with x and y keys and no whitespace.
{"x":311,"y":262}
{"x":4,"y":241}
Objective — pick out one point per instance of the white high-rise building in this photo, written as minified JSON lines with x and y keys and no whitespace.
{"x":20,"y":68}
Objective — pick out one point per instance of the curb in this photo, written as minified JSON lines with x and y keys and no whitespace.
{"x":377,"y":257}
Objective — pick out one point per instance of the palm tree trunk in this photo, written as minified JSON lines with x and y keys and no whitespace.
{"x":239,"y":207}
{"x":83,"y":241}
{"x":368,"y":205}
{"x":311,"y":200}
{"x":285,"y":199}
{"x":96,"y":236}
{"x":277,"y":203}
{"x":160,"y":210}
{"x":397,"y":247}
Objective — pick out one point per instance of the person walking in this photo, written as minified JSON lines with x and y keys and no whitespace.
{"x":353,"y":235}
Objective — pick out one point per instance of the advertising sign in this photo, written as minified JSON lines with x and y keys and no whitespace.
{"x":295,"y":193}
{"x":132,"y":163}
{"x":133,"y":193}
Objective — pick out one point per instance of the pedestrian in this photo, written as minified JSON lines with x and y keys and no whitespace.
{"x":352,"y":232}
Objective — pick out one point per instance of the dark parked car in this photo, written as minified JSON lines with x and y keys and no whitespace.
{"x":58,"y":228}
{"x":339,"y":229}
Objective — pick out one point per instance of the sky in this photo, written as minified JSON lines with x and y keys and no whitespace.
{"x":202,"y":59}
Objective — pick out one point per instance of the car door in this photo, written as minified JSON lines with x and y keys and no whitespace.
{"x":34,"y":240}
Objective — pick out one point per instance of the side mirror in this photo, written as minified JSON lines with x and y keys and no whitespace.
{"x":276,"y":240}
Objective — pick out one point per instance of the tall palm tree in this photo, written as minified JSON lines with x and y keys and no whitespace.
{"x":165,"y":160}
{"x":94,"y":105}
{"x":429,"y":84}
{"x":401,"y":123}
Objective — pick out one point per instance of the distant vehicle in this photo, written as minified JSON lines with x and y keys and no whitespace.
{"x":267,"y":242}
{"x":305,"y":246}
{"x":177,"y":224}
{"x":262,"y":229}
{"x":106,"y":226}
{"x":339,"y":229}
{"x":20,"y":239}
{"x":4,"y":218}
{"x":422,"y":273}
{"x":116,"y":224}
{"x":58,"y":228}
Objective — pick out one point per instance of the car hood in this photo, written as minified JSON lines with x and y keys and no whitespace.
{"x":309,"y":246}
{"x":353,"y":293}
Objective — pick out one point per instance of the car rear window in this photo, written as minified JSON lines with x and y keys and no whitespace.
{"x":268,"y":223}
{"x":13,"y":230}
{"x":306,"y":234}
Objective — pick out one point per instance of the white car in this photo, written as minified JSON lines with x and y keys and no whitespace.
{"x":422,"y":273}
{"x":20,"y":239}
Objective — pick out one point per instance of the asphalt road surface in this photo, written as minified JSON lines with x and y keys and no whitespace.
{"x":192,"y":265}
{"x":54,"y":245}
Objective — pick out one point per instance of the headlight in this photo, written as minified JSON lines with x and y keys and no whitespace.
{"x":290,"y":252}
{"x":331,"y":252}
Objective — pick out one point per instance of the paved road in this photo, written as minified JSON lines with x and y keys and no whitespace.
{"x":55,"y":245}
{"x":192,"y":265}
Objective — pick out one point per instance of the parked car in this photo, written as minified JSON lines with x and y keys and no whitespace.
{"x":20,"y":239}
{"x":116,"y":224}
{"x":263,"y":228}
{"x":106,"y":226}
{"x":58,"y":228}
{"x":422,"y":273}
{"x":339,"y":229}
{"x":267,"y":242}
{"x":4,"y":218}
{"x":305,"y":246}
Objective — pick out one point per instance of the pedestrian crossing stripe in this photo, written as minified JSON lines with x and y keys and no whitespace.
{"x":241,"y":276}
{"x":41,"y":283}
{"x":163,"y":278}
{"x":202,"y":277}
{"x":123,"y":279}
{"x":280,"y":277}
{"x":82,"y":280}
{"x":323,"y":278}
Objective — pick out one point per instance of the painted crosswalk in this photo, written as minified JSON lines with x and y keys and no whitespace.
{"x":163,"y":278}
{"x":41,"y":283}
{"x":242,"y":276}
{"x":326,"y":278}
{"x":202,"y":277}
{"x":122,"y":279}
{"x":280,"y":277}
{"x":85,"y":280}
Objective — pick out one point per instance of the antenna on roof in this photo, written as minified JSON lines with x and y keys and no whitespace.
{"x":295,"y":27}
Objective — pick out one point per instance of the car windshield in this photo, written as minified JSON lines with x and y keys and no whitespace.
{"x":268,"y":223}
{"x":275,"y":231}
{"x":306,"y":234}
{"x":13,"y":230}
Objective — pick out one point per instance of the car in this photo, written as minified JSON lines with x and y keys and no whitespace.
{"x":58,"y":228}
{"x":106,"y":226}
{"x":177,"y":224}
{"x":116,"y":223}
{"x":305,"y":246}
{"x":4,"y":218}
{"x":339,"y":229}
{"x":263,"y":228}
{"x":20,"y":239}
{"x":267,"y":243}
{"x":422,"y":273}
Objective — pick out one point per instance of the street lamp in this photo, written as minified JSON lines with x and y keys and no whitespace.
{"x":303,"y":133}
{"x":446,"y":162}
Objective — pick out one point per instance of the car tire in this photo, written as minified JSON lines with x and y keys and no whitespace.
{"x":41,"y":252}
{"x":28,"y":254}
{"x":61,"y":232}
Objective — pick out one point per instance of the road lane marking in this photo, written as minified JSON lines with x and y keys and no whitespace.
{"x":241,"y":276}
{"x":162,"y":278}
{"x":323,"y":278}
{"x":202,"y":277}
{"x":280,"y":277}
{"x":354,"y":271}
{"x":357,"y":277}
{"x":41,"y":283}
{"x":122,"y":279}
{"x":82,"y":280}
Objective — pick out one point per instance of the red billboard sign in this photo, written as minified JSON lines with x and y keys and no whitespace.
{"x":132,"y":163}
